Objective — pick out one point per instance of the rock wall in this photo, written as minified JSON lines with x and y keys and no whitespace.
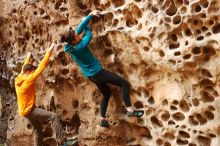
{"x":167,"y":49}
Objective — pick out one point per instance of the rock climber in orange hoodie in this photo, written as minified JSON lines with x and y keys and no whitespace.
{"x":25,"y":90}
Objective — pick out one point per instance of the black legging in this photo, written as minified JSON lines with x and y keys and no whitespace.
{"x":101,"y":79}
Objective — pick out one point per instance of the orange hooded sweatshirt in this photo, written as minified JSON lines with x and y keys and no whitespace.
{"x":25,"y":86}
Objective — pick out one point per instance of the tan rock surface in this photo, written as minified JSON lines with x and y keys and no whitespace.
{"x":167,"y":49}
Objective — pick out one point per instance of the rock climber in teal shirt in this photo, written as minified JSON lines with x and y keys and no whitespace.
{"x":77,"y":47}
{"x":80,"y":52}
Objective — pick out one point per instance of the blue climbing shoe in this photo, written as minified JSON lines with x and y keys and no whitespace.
{"x":104,"y":123}
{"x":135,"y":113}
{"x":71,"y":142}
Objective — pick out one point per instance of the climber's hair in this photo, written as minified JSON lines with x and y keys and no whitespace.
{"x":67,"y":35}
{"x":29,"y":67}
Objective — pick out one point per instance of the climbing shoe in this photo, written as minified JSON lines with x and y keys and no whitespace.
{"x":135,"y":113}
{"x":104,"y":123}
{"x":70,"y":142}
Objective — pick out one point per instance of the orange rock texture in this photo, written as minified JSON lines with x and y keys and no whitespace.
{"x":167,"y":49}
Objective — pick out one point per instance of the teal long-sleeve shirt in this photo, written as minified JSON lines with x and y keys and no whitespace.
{"x":80,"y":53}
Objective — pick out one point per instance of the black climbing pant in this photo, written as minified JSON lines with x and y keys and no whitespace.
{"x":101,"y":79}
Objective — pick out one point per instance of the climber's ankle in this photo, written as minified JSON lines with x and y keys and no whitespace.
{"x":130,"y":109}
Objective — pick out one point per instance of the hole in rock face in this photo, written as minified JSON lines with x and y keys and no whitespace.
{"x":208,"y":34}
{"x":184,"y":134}
{"x":174,"y":37}
{"x":146,"y":48}
{"x":63,"y":9}
{"x":202,"y":120}
{"x":165,"y":102}
{"x":188,"y":32}
{"x":179,"y":2}
{"x":167,"y":19}
{"x":211,"y":22}
{"x":29,"y":126}
{"x":151,"y":100}
{"x":172,"y":107}
{"x":206,"y":73}
{"x":57,"y":5}
{"x":76,"y":122}
{"x":209,"y":115}
{"x":130,"y":23}
{"x":47,"y":17}
{"x":177,"y":53}
{"x":65,"y":71}
{"x":173,"y":62}
{"x":192,"y":144}
{"x":198,"y":31}
{"x":115,"y":22}
{"x":62,"y":58}
{"x":41,"y":11}
{"x":159,"y":141}
{"x":196,"y":50}
{"x":193,"y":121}
{"x":183,"y":126}
{"x":149,"y":112}
{"x":216,"y":28}
{"x":173,"y":46}
{"x":195,"y":22}
{"x":184,"y":106}
{"x":211,"y":108}
{"x":97,"y":3}
{"x":187,"y":56}
{"x":167,"y":144}
{"x":171,"y":122}
{"x":154,"y":9}
{"x":206,"y":97}
{"x":205,"y":5}
{"x":14,"y":10}
{"x":140,"y":26}
{"x":155,"y":121}
{"x":203,"y":15}
{"x":186,"y":2}
{"x":165,"y":116}
{"x":177,"y":19}
{"x":169,"y":135}
{"x":204,"y":140}
{"x":204,"y":28}
{"x":109,"y":17}
{"x":136,"y":11}
{"x":200,"y":38}
{"x":178,"y":116}
{"x":198,"y":8}
{"x":175,"y":102}
{"x":52,"y":104}
{"x":108,"y":52}
{"x":212,"y":135}
{"x":161,"y":53}
{"x":207,"y":83}
{"x":181,"y":142}
{"x":138,"y":105}
{"x":82,"y":5}
{"x":118,"y":3}
{"x":75,"y":104}
{"x":172,"y":9}
{"x":183,"y":10}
